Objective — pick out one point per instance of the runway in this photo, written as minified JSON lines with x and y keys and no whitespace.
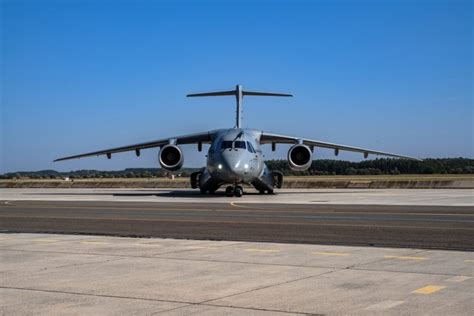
{"x":414,"y":226}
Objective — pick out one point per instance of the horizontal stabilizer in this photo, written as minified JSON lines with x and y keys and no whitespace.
{"x":239,"y":91}
{"x":233,"y":92}
{"x":212,"y":94}
{"x":239,"y":94}
{"x":267,"y":94}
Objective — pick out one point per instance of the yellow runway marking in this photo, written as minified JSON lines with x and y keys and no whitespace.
{"x":203,"y":247}
{"x":94,"y":242}
{"x":429,"y":289}
{"x":405,"y":257}
{"x":458,"y":278}
{"x":261,"y":250}
{"x":147,"y":244}
{"x":468,"y":260}
{"x":253,"y":208}
{"x":328,"y":253}
{"x":234,"y":204}
{"x":44,"y":240}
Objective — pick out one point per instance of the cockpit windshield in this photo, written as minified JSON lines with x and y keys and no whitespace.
{"x":227,"y":144}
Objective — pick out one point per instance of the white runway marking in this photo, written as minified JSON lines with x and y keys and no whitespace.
{"x":384,"y":305}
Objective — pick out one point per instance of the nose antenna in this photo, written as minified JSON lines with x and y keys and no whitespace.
{"x":239,"y":94}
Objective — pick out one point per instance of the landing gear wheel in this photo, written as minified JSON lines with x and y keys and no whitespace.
{"x":238,"y":191}
{"x":270,"y":191}
{"x":202,"y":191}
{"x":229,"y":191}
{"x":261,"y":192}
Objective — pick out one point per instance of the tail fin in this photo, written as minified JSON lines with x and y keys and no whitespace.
{"x":239,"y":94}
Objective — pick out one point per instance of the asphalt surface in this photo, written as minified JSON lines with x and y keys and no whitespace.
{"x":438,"y":227}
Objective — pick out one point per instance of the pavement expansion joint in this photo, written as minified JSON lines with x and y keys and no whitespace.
{"x":376,"y":260}
{"x":270,"y":286}
{"x":243,"y":309}
{"x":158,"y":256}
{"x":85,"y":263}
{"x":196,"y":247}
{"x":404,"y":271}
{"x":93,"y":294}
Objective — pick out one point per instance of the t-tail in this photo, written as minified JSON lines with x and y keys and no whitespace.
{"x":239,"y":94}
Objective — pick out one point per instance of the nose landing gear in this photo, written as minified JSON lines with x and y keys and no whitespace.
{"x":238,"y":191}
{"x":231,"y":191}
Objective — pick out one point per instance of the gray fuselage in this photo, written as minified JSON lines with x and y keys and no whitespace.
{"x":235,"y":157}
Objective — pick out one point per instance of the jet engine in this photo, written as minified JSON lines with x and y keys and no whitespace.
{"x":171,"y":157}
{"x":300,"y":157}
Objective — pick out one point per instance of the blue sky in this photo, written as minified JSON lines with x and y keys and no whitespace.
{"x":84,"y":75}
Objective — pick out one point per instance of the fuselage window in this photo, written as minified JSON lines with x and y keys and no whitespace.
{"x":227,"y":144}
{"x":239,"y":144}
{"x":250,"y":147}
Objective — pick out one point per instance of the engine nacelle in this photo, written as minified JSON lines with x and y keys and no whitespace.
{"x":300,"y":157}
{"x":171,"y":157}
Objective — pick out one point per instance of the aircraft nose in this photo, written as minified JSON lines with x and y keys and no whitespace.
{"x":232,"y":163}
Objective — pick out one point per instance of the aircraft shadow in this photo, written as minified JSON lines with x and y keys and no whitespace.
{"x":177,"y":193}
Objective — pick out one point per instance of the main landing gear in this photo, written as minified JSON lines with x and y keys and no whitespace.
{"x":231,"y":191}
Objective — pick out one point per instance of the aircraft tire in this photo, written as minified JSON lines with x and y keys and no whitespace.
{"x":238,"y":191}
{"x":229,"y":191}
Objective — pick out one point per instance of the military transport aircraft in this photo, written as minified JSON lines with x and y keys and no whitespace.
{"x":235,"y":155}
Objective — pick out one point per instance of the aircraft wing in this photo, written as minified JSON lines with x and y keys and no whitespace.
{"x":267,"y":138}
{"x":204,"y":137}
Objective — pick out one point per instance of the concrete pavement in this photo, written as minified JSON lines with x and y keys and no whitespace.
{"x":448,"y":197}
{"x":72,"y":274}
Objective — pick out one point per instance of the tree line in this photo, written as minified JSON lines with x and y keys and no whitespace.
{"x":318,"y":167}
{"x":383,"y":166}
{"x":94,"y":174}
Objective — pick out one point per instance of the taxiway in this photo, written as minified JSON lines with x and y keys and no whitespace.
{"x":427,"y":219}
